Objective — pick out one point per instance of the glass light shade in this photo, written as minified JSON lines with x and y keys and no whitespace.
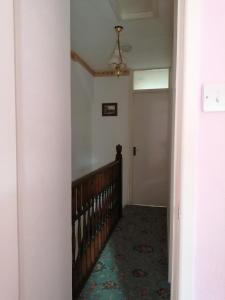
{"x":116,"y":63}
{"x":115,"y":59}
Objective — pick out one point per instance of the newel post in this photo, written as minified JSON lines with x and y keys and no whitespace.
{"x":120,"y":179}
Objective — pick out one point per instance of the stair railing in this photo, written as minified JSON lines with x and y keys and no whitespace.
{"x":96,"y":209}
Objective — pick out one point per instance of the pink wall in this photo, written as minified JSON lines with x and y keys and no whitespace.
{"x":209,"y":269}
{"x":8,"y":187}
{"x":44,"y":148}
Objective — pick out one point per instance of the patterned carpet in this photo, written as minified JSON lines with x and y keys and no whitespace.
{"x":134,"y":263}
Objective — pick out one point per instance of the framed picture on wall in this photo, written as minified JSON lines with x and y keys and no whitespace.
{"x":109,"y":109}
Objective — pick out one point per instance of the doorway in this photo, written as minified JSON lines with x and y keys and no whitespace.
{"x":151,"y":153}
{"x":150,"y":110}
{"x":58,"y":126}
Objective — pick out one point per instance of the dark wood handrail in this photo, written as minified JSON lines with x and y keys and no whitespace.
{"x":93,"y":173}
{"x":96,"y":209}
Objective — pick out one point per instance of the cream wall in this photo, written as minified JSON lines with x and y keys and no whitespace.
{"x":82,"y":97}
{"x":8,"y":184}
{"x":107,"y":132}
{"x":44,"y":148}
{"x":94,"y":138}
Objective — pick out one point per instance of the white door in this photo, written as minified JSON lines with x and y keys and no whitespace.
{"x":151,"y":137}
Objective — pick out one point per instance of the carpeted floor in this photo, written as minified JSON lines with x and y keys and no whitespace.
{"x":134,"y":263}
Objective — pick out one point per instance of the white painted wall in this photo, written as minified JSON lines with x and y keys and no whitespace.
{"x":8,"y":185}
{"x":82,"y":97}
{"x":107,"y":132}
{"x":44,"y":148}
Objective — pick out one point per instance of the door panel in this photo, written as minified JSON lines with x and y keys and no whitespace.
{"x":151,"y":137}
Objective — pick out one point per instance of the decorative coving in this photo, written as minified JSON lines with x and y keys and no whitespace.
{"x":75,"y":57}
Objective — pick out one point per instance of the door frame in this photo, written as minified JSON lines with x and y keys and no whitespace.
{"x":184,"y":151}
{"x":176,"y":137}
{"x":184,"y":148}
{"x":9,"y":258}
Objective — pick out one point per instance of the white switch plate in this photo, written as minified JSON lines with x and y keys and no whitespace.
{"x":214,"y":97}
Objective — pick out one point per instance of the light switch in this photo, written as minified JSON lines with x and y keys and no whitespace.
{"x":214,"y":97}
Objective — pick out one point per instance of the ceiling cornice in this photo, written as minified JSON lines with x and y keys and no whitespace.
{"x":76,"y":58}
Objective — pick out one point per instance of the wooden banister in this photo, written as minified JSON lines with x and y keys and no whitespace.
{"x":96,"y":209}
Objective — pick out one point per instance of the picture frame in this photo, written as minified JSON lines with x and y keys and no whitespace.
{"x":109,"y":109}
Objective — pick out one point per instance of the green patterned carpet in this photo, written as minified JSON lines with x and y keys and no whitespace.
{"x":134,"y":263}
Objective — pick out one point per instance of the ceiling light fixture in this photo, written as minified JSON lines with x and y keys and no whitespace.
{"x":117,"y":61}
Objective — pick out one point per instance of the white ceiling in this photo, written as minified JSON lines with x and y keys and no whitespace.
{"x":93,"y":36}
{"x":133,"y":9}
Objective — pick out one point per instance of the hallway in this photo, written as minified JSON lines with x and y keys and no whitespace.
{"x":134,"y":263}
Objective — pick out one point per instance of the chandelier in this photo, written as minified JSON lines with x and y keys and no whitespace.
{"x":117,"y":61}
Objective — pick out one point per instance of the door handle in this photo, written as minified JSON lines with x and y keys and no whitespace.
{"x":134,"y":151}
